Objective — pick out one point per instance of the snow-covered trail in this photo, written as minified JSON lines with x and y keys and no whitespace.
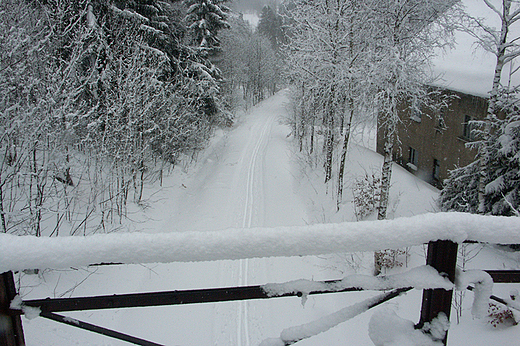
{"x":245,"y":179}
{"x":232,"y":188}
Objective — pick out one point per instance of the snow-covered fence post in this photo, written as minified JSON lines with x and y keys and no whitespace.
{"x":11,"y":332}
{"x":442,"y":255}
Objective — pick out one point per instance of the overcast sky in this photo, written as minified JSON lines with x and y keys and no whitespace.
{"x":465,"y":68}
{"x":250,"y":5}
{"x":468,"y":68}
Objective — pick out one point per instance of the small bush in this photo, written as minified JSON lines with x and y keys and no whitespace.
{"x":366,"y":195}
{"x":387,"y":259}
{"x":499,"y":316}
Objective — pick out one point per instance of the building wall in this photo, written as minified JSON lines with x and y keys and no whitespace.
{"x":434,"y":141}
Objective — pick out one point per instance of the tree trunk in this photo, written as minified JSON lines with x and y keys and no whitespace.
{"x":301,"y":132}
{"x":386,"y":175}
{"x":2,"y":211}
{"x":341,"y":172}
{"x":311,"y":149}
{"x":329,"y":148}
{"x":483,"y":152}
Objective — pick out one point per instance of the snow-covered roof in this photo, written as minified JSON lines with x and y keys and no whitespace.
{"x":468,"y":68}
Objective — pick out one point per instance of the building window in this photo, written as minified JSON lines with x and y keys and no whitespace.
{"x":413,"y":159}
{"x":468,"y":127}
{"x":436,"y":169}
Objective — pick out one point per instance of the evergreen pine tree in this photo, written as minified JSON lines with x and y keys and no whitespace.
{"x":502,"y":188}
{"x":205,"y":18}
{"x":150,"y":17}
{"x":271,"y":26}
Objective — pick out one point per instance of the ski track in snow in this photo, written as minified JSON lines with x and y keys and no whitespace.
{"x":244,"y":209}
{"x":254,"y":188}
{"x":244,"y":179}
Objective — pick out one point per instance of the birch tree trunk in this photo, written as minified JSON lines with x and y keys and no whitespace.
{"x":329,"y":145}
{"x":386,"y":176}
{"x":346,"y":137}
{"x":483,"y":152}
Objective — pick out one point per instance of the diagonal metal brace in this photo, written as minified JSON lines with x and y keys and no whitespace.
{"x":97,"y":329}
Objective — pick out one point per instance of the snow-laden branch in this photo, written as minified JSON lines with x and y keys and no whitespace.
{"x":493,"y":8}
{"x":22,"y":252}
{"x":423,"y":277}
{"x":294,"y":334}
{"x":483,"y":289}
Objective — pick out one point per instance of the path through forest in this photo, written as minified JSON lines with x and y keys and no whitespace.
{"x":245,"y":179}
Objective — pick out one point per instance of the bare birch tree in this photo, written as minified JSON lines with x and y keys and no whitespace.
{"x":327,"y":55}
{"x":403,"y":45}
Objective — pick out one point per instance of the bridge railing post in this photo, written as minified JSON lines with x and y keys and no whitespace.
{"x":442,"y":255}
{"x":11,"y":331}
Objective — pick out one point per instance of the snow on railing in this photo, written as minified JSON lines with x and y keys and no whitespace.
{"x":22,"y":252}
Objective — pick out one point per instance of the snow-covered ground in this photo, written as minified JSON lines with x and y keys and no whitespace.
{"x":247,"y":178}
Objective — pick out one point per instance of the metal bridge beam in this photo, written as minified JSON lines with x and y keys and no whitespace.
{"x":11,"y":332}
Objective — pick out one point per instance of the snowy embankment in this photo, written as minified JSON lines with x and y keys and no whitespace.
{"x":23,"y":252}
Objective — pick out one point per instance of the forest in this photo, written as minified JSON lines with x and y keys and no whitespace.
{"x":101,"y":97}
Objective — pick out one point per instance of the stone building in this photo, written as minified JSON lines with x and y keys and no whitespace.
{"x":432,"y":143}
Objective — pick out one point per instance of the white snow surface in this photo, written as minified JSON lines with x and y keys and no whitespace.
{"x":305,"y":331}
{"x":23,"y":252}
{"x":386,"y":328}
{"x":248,"y":178}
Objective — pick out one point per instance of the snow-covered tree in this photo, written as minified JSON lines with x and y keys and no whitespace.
{"x":205,"y":18}
{"x":406,"y":33}
{"x":45,"y":72}
{"x":327,"y":56}
{"x":488,"y":185}
{"x":249,"y":62}
{"x":506,"y":49}
{"x":501,"y":194}
{"x":503,"y":190}
{"x":355,"y":57}
{"x":96,"y":95}
{"x":271,"y":26}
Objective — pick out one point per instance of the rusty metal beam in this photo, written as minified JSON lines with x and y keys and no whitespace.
{"x":97,"y":329}
{"x":442,"y":255}
{"x":504,"y":276}
{"x":11,"y":331}
{"x":210,"y":295}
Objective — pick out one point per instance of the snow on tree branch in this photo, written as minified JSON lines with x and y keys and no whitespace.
{"x":129,"y":14}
